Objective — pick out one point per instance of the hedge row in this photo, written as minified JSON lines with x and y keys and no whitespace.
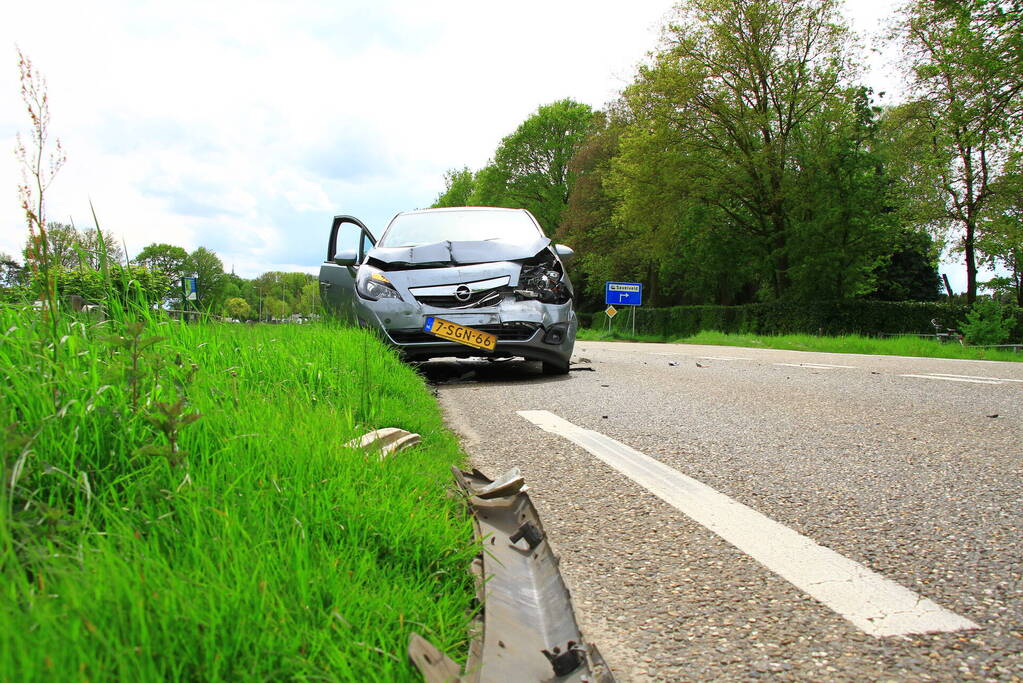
{"x":125,"y":282}
{"x":824,"y":317}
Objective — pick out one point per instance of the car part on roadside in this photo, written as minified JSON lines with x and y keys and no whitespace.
{"x":385,"y":441}
{"x":568,"y":661}
{"x":508,"y":484}
{"x":528,"y":628}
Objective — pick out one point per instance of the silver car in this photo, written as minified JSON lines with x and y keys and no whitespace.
{"x":462,"y":282}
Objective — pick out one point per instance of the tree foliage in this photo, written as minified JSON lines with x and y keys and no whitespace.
{"x":750,"y":151}
{"x":530,"y":169}
{"x":459,"y":185}
{"x":1002,"y":240}
{"x":167,"y":258}
{"x":238,"y":308}
{"x":211,"y":279}
{"x":966,"y":62}
{"x":744,"y":163}
{"x":69,"y":248}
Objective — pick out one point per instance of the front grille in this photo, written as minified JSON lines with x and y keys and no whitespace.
{"x":515,"y":332}
{"x":475,"y":300}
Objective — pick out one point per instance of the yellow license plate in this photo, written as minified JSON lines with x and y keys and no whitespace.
{"x":460,"y":333}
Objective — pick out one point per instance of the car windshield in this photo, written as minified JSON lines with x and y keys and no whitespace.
{"x":413,"y":229}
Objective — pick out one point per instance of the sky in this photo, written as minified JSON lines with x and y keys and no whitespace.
{"x":244,"y":126}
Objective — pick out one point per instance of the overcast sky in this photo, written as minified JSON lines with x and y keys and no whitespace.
{"x":244,"y":126}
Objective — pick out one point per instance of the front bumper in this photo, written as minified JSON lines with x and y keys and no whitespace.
{"x":520,"y":327}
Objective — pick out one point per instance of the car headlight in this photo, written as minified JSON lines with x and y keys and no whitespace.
{"x":373,"y":285}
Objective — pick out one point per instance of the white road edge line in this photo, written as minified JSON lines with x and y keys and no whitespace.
{"x":997,"y":379}
{"x":876,"y":605}
{"x":955,"y":379}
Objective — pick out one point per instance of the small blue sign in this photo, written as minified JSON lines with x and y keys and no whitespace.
{"x":623,"y":293}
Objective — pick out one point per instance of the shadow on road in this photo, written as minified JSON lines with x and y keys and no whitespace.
{"x":474,"y":370}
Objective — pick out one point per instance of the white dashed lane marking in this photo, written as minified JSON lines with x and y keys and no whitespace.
{"x":660,"y":353}
{"x":816,"y":366}
{"x":995,"y":379}
{"x":952,"y":378}
{"x":874,"y":604}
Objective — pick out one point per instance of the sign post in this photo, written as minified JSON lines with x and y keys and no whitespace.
{"x":623,"y":294}
{"x":611,"y":312}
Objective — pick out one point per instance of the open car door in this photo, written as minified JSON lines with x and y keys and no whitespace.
{"x":350,"y":239}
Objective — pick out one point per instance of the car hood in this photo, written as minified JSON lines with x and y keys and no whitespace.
{"x":458,"y":253}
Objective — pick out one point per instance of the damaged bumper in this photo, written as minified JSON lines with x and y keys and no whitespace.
{"x":527,"y":328}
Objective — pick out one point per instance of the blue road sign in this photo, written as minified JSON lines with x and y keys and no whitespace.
{"x":623,"y":293}
{"x":188,"y":284}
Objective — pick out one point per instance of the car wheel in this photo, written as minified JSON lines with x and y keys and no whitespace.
{"x":555,"y":368}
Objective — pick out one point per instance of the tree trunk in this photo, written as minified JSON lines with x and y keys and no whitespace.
{"x":780,"y":262}
{"x":971,"y":260}
{"x":1017,"y":274}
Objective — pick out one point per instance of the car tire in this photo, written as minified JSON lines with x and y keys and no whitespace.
{"x":555,"y":368}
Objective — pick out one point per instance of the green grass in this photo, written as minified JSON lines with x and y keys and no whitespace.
{"x":263,"y":548}
{"x":893,"y":346}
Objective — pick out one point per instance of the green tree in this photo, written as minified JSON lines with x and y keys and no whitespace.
{"x":166,"y":258}
{"x":910,"y":271}
{"x":989,"y":322}
{"x":734,"y":106}
{"x":89,"y":244}
{"x":967,"y":73}
{"x":1002,"y":241}
{"x":238,"y":307}
{"x":209,"y":270}
{"x":459,"y":186}
{"x":309,"y":302}
{"x":841,"y":222}
{"x":530,"y":167}
{"x":11,"y":272}
{"x":274,"y":308}
{"x":62,"y":243}
{"x":70,"y":248}
{"x":587,"y":224}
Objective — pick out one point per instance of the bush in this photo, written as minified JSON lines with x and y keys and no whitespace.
{"x":856,"y":316}
{"x":990,"y":323}
{"x":125,"y":282}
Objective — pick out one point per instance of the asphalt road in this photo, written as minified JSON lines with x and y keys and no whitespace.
{"x":918,"y":479}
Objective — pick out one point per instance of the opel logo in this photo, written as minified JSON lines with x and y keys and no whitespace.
{"x":463,"y":293}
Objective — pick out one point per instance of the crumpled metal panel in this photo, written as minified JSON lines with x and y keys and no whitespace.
{"x":529,"y":629}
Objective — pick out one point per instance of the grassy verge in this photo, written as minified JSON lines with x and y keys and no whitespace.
{"x":895,"y":346}
{"x":139,"y":543}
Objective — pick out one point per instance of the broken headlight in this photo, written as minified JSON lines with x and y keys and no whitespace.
{"x":544,"y":283}
{"x":373,"y":285}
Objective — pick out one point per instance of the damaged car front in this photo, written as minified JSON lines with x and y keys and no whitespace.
{"x":462,"y":282}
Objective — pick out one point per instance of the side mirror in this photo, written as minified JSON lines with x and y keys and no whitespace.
{"x":346,"y":257}
{"x":564,"y":252}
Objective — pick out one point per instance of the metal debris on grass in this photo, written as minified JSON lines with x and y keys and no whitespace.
{"x":385,"y":441}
